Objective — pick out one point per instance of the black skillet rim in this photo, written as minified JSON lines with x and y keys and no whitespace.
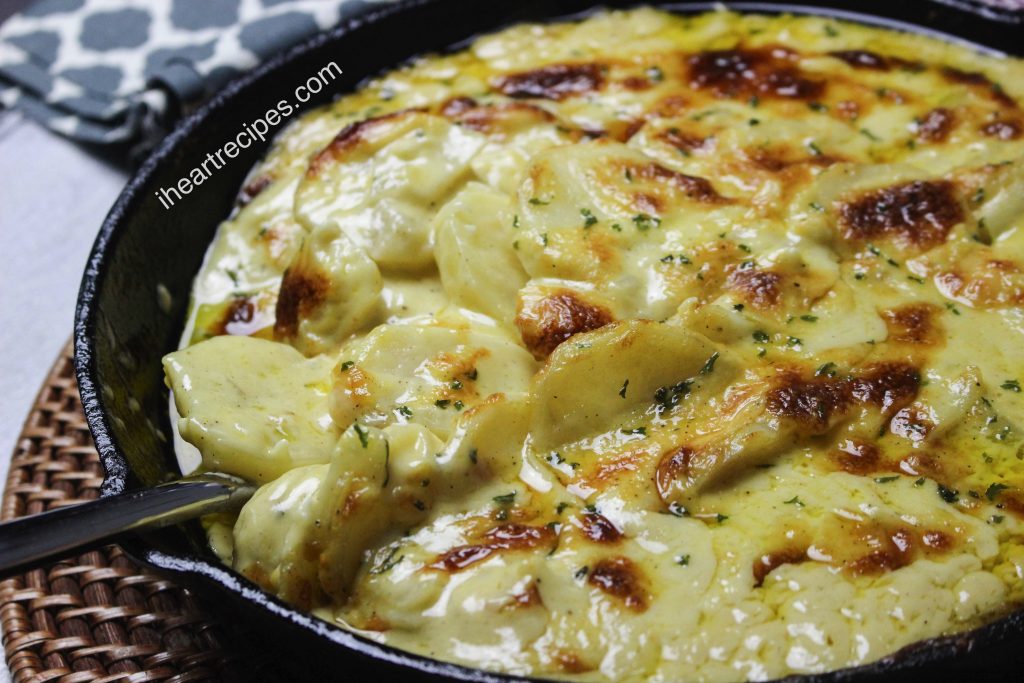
{"x":201,"y":571}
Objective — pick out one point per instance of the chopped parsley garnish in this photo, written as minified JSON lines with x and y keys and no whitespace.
{"x":642,"y":431}
{"x":831,"y":31}
{"x":828,"y":368}
{"x":793,"y":341}
{"x":920,"y":482}
{"x":588,"y":218}
{"x":737,"y":307}
{"x":979,"y":195}
{"x":709,"y":366}
{"x":816,"y":206}
{"x":560,"y":508}
{"x":442,"y":403}
{"x":473,"y":455}
{"x":364,"y":436}
{"x":952,"y":309}
{"x":515,"y":221}
{"x":645,"y":222}
{"x":993,"y":491}
{"x":537,"y":201}
{"x":996,"y":519}
{"x":616,"y":227}
{"x":815,"y":150}
{"x":683,"y":560}
{"x":581,"y":572}
{"x":455,"y":385}
{"x":818,"y":107}
{"x":472,"y":374}
{"x":622,"y":391}
{"x":670,"y":396}
{"x":405,"y":411}
{"x":678,"y":510}
{"x":347,"y":364}
{"x":505,"y":498}
{"x":886,"y":480}
{"x":948,"y":495}
{"x":719,"y":517}
{"x":388,"y":563}
{"x":459,"y":405}
{"x":1011,"y":385}
{"x":760,"y":337}
{"x":809,"y":318}
{"x":869,"y":135}
{"x":745,"y":247}
{"x":795,"y":500}
{"x":655,"y":74}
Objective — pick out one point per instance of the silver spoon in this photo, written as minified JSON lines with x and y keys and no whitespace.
{"x":26,"y":542}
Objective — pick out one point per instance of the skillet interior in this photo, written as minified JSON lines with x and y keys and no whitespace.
{"x":123,"y":326}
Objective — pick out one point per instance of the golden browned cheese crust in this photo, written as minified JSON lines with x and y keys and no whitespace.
{"x":639,"y":348}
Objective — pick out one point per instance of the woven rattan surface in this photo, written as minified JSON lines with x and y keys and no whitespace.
{"x":97,"y":616}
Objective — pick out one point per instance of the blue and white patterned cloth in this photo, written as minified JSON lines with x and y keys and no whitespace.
{"x":115,"y":71}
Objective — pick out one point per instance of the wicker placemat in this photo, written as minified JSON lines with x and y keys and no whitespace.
{"x":98,"y":616}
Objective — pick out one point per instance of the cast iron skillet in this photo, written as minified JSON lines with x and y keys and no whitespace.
{"x":124,"y":323}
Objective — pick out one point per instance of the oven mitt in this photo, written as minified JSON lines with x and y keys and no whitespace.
{"x":117,"y":72}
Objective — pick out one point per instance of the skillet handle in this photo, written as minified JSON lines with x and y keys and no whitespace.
{"x":26,"y":542}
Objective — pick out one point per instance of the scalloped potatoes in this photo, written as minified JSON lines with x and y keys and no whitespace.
{"x":640,"y":348}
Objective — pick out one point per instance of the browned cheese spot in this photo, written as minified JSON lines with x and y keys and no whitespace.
{"x":919,"y":213}
{"x":598,"y":528}
{"x":759,"y":288}
{"x":498,"y":118}
{"x":687,"y":142}
{"x":765,"y":72}
{"x":979,"y":81}
{"x":692,"y":187}
{"x":529,"y":597}
{"x":913,"y":324}
{"x":674,"y":466}
{"x":856,"y":456}
{"x":547,"y":322}
{"x":863,"y":59}
{"x":911,"y":423}
{"x":769,"y":562}
{"x":936,"y":125}
{"x":241,"y":317}
{"x":571,"y":662}
{"x":348,"y":138}
{"x":302,"y":292}
{"x":813,"y":402}
{"x":506,"y":537}
{"x":982,"y":281}
{"x":1003,"y":129}
{"x":620,"y":578}
{"x":253,"y":188}
{"x":553,"y":82}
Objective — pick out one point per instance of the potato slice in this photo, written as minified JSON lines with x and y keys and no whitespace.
{"x":381,"y":180}
{"x":428,"y":371}
{"x":274,"y":535}
{"x":254,"y":408}
{"x":331,"y":290}
{"x":478,"y":265}
{"x":646,"y":354}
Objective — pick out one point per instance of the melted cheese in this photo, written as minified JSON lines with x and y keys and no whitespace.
{"x":640,"y":348}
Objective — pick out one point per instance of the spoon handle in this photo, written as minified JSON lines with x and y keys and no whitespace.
{"x":28,"y":541}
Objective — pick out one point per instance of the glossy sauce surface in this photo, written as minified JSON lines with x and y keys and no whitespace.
{"x":642,"y":348}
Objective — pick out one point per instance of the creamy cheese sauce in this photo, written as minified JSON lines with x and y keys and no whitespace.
{"x":640,"y":348}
